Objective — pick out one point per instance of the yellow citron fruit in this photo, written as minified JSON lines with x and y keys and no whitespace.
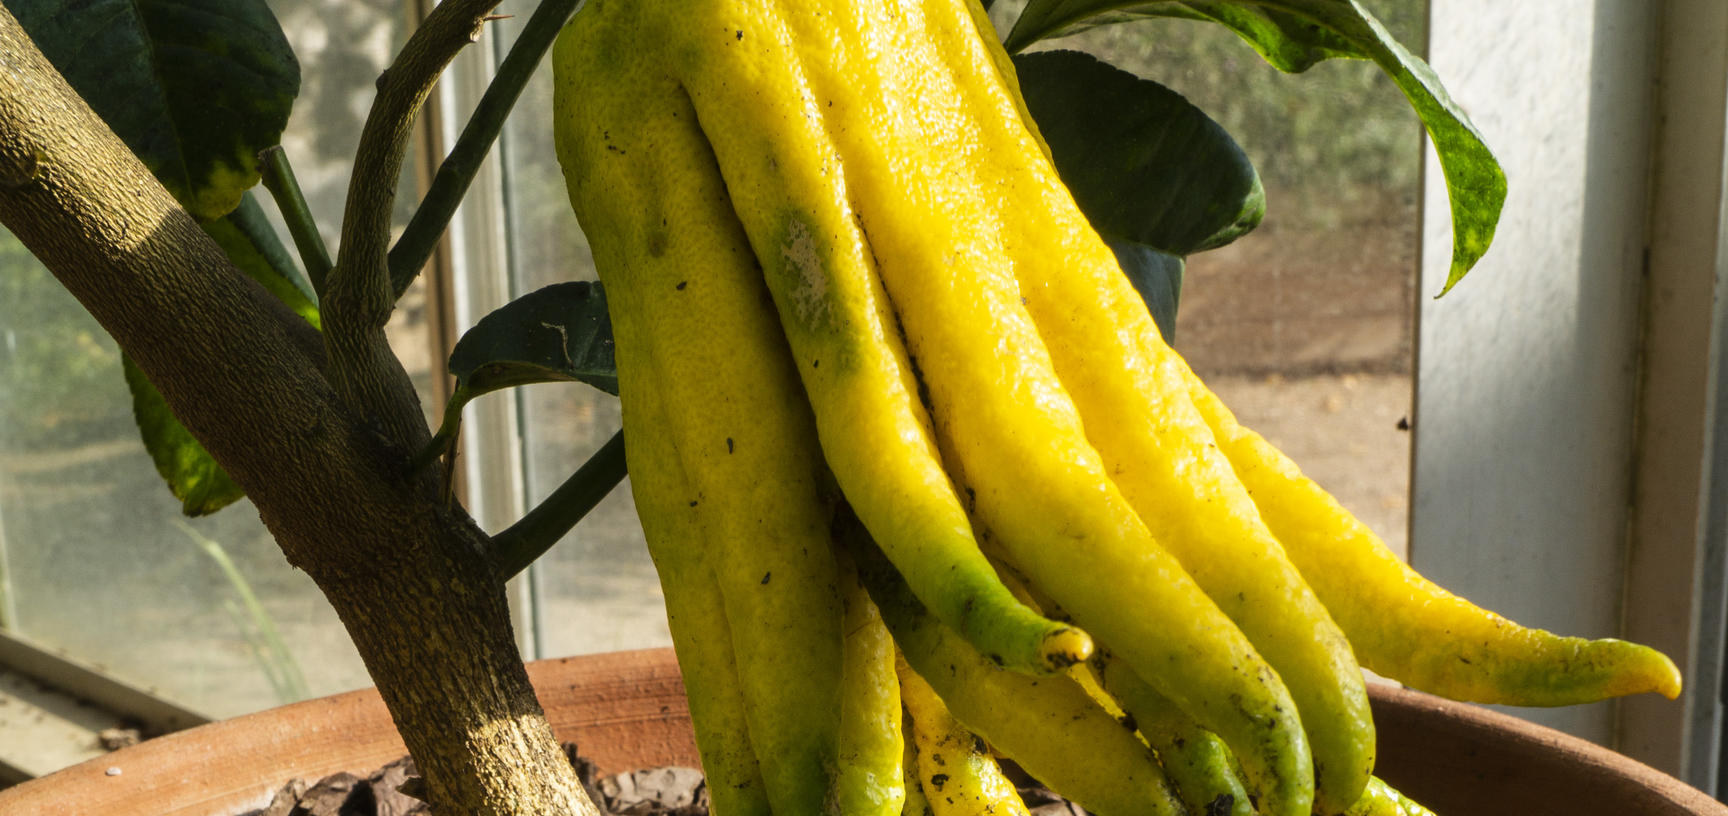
{"x":696,"y":338}
{"x":847,"y":210}
{"x":695,"y":611}
{"x":844,"y":276}
{"x":871,"y":781}
{"x":961,"y":777}
{"x":1137,"y":413}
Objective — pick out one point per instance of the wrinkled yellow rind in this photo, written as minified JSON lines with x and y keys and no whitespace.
{"x":1136,"y":411}
{"x":871,"y":781}
{"x":752,"y":83}
{"x":684,"y":291}
{"x":1049,"y":725}
{"x":917,"y":804}
{"x":695,"y":612}
{"x":962,"y":778}
{"x":1197,"y":762}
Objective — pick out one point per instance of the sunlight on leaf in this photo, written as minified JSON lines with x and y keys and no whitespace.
{"x":561,"y":333}
{"x":194,"y":87}
{"x":1293,"y":35}
{"x":194,"y":478}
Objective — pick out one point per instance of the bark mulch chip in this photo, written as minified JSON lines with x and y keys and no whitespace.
{"x":391,"y":791}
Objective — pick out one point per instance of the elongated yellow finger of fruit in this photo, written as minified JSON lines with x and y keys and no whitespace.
{"x":961,"y":778}
{"x":683,"y":286}
{"x":871,"y":780}
{"x":1197,"y":762}
{"x":917,"y":804}
{"x":1038,"y":485}
{"x":694,"y":610}
{"x":1049,"y":725}
{"x":1381,"y":799}
{"x":1199,"y":765}
{"x":1137,"y":413}
{"x":1408,"y":628}
{"x":734,"y":61}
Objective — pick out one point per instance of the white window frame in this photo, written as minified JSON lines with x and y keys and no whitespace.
{"x":1579,"y":497}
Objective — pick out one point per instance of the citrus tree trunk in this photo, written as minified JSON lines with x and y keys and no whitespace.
{"x":404,"y":569}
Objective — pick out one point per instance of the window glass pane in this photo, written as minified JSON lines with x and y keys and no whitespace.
{"x":98,"y":560}
{"x":597,"y":590}
{"x":1305,"y":326}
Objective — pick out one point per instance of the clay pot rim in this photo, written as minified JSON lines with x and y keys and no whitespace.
{"x":1499,"y":734}
{"x":626,"y":710}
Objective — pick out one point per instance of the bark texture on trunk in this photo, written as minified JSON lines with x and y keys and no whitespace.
{"x":404,"y":571}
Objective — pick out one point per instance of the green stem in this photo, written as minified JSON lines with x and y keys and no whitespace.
{"x":529,"y":538}
{"x":447,"y":429}
{"x":285,"y":189}
{"x":457,"y":172}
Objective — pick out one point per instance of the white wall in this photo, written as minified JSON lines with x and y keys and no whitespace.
{"x":1526,"y":371}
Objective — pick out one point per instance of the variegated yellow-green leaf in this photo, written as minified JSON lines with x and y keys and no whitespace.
{"x":195,"y":87}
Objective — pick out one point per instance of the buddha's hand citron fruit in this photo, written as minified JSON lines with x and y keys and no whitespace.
{"x":859,"y":318}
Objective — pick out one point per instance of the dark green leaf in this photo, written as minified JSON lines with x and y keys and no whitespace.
{"x":561,"y":333}
{"x":253,"y":245}
{"x":1144,"y":165}
{"x":1292,"y":35}
{"x":195,"y":87}
{"x":1290,"y":42}
{"x":557,"y":334}
{"x":1157,"y":276}
{"x":195,"y":479}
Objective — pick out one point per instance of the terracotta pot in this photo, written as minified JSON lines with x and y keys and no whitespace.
{"x":626,"y":710}
{"x":1467,"y":760}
